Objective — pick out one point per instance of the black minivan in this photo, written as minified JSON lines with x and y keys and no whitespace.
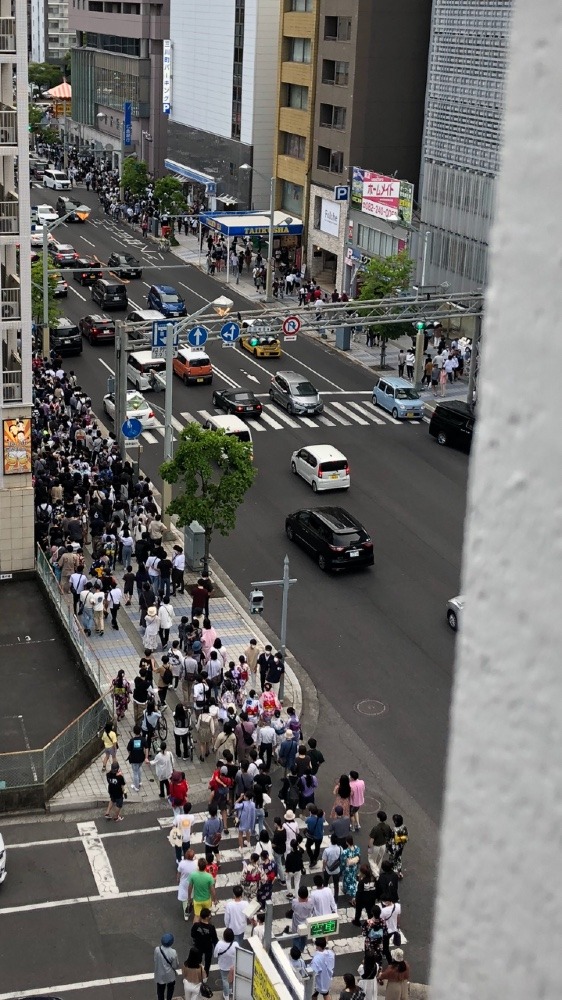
{"x":452,"y":423}
{"x":110,"y":294}
{"x":65,"y":337}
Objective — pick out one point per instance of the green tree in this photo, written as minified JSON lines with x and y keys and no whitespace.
{"x":37,"y":295}
{"x":215,"y":471}
{"x":134,"y":175}
{"x":387,"y":277}
{"x":44,"y":75}
{"x":169,"y":193}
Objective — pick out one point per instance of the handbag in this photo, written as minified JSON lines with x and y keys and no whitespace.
{"x":205,"y":990}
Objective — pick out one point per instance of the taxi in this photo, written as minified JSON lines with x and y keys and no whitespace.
{"x":261,"y":345}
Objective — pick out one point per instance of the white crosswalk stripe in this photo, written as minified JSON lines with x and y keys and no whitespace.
{"x":324,"y":420}
{"x":188,"y":417}
{"x":255,"y":425}
{"x":176,"y":424}
{"x":349,"y":413}
{"x":383,"y":413}
{"x":281,"y":415}
{"x":149,"y":438}
{"x":308,"y":422}
{"x":365,"y":413}
{"x":337,"y":416}
{"x":271,"y":422}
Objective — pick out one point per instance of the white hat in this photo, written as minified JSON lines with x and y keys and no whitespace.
{"x":213,"y":710}
{"x":152,"y":613}
{"x":289,"y":815}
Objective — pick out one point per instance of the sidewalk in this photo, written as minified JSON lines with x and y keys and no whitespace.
{"x":122,"y":650}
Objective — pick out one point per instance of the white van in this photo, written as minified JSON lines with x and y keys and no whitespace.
{"x":56,"y":179}
{"x":322,"y":466}
{"x":139,"y":366}
{"x":230,"y":425}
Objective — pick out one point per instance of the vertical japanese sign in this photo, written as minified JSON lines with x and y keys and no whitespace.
{"x":166,"y":76}
{"x":127,"y":123}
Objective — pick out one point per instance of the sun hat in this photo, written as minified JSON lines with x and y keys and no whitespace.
{"x":213,"y":710}
{"x":398,"y":955}
{"x":289,"y":815}
{"x":152,"y":613}
{"x":289,"y":732}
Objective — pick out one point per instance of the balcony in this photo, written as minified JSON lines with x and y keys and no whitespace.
{"x":10,"y":303}
{"x":11,"y":386}
{"x":8,"y":128}
{"x":9,"y":218}
{"x":7,"y":34}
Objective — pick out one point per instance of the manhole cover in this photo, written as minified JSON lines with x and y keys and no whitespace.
{"x":371,"y":707}
{"x":370,"y":806}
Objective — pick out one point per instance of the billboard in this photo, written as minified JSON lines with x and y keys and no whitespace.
{"x":330,"y":217}
{"x":381,"y":196}
{"x":17,"y":446}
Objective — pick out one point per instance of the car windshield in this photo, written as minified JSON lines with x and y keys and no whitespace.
{"x":243,"y":397}
{"x":129,"y":259}
{"x":348,"y":538}
{"x":303,"y":389}
{"x":407,"y":394}
{"x":169,"y":297}
{"x":136,"y":403}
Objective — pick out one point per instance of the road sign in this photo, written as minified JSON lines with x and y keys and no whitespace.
{"x":291,"y":324}
{"x":127,"y":123}
{"x":198,"y":336}
{"x":323,"y":926}
{"x":341,"y":192}
{"x":133,"y":443}
{"x":230,"y":332}
{"x":131,"y":428}
{"x":159,"y":332}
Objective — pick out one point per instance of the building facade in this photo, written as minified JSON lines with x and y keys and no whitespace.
{"x":117,"y":59}
{"x":16,"y":488}
{"x":462,"y":137}
{"x":50,"y":34}
{"x":223,"y":99}
{"x":371,"y":67}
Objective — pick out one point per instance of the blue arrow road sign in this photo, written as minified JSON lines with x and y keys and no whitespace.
{"x":131,"y":428}
{"x":230,"y":332}
{"x":159,"y":329}
{"x":198,"y":336}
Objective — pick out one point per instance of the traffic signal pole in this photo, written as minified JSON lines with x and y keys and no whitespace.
{"x":168,"y":429}
{"x":285,"y":583}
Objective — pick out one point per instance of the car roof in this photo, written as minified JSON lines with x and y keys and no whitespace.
{"x":338,"y":518}
{"x":238,"y":392}
{"x":111,"y":283}
{"x":96,"y":318}
{"x":457,"y":406}
{"x":225,"y":420}
{"x":166,"y":289}
{"x":192,"y":352}
{"x":292,"y":376}
{"x":63,"y":321}
{"x":323,"y":452}
{"x":148,"y":313}
{"x":398,"y":383}
{"x":64,"y":248}
{"x":143,"y":357}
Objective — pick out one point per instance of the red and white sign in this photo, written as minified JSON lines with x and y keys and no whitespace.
{"x":381,"y":195}
{"x":291,"y":326}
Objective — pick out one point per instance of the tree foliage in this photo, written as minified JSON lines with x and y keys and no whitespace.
{"x":37,"y":295}
{"x":215,"y":471}
{"x":44,"y":75}
{"x":169,"y":193}
{"x":134,"y":176}
{"x":387,"y":277}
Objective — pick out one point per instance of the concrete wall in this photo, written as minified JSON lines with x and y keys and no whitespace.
{"x":499,"y":913}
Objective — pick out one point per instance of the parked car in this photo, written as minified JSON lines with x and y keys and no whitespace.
{"x":455,"y":608}
{"x":452,"y":422}
{"x":124,"y":265}
{"x":96,"y":329}
{"x":333,"y":536}
{"x":86,"y":270}
{"x":295,"y":394}
{"x":242,"y":402}
{"x":399,"y":397}
{"x":166,"y":300}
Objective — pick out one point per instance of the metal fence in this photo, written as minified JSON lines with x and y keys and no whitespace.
{"x":33,"y":768}
{"x":70,"y":623}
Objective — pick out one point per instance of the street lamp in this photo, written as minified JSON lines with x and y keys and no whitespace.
{"x":145,"y":137}
{"x":269,"y":272}
{"x":46,"y":230}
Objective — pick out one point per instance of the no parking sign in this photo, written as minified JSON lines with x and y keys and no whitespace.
{"x":291,"y":326}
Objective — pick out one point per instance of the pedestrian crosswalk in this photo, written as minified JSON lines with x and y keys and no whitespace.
{"x":347,"y":946}
{"x":351,"y":413}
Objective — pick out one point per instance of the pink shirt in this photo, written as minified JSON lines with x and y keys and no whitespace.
{"x":357,"y":797}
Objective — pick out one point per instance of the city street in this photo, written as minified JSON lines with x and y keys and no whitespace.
{"x":375,"y":643}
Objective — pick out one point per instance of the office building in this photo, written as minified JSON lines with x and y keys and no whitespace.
{"x":16,"y":489}
{"x":462,"y":139}
{"x":117,"y":59}
{"x":223,"y":70}
{"x":369,"y":103}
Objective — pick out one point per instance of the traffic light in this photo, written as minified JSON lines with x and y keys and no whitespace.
{"x":256,"y":602}
{"x":254,"y":341}
{"x":420,"y":327}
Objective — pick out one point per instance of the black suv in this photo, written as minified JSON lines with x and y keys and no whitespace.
{"x":65,"y":337}
{"x":453,"y":423}
{"x":124,"y":265}
{"x":110,"y":294}
{"x":335,"y":538}
{"x":86,"y":270}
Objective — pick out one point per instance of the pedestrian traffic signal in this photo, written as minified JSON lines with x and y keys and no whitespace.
{"x":256,"y":602}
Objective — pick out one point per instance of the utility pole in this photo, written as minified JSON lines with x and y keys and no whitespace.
{"x":46,"y":332}
{"x":271,"y":267}
{"x":120,"y":383}
{"x":285,"y":583}
{"x":418,"y":364}
{"x":474,"y":358}
{"x":168,"y":429}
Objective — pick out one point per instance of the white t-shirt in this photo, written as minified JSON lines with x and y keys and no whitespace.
{"x":323,"y":902}
{"x":185,"y":868}
{"x":225,"y":955}
{"x":184,"y":824}
{"x":235,"y":917}
{"x":391,"y":914}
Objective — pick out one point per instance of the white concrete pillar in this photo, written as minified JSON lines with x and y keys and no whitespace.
{"x":499,"y":913}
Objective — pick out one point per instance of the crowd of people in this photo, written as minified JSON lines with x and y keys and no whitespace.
{"x":289,"y":842}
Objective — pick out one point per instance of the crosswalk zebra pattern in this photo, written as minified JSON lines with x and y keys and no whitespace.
{"x":351,"y":413}
{"x":347,"y":946}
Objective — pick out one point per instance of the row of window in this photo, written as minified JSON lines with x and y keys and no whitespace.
{"x":375,"y":242}
{"x":112,"y":43}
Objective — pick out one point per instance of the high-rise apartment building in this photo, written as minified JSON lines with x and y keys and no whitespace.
{"x":363,"y":65}
{"x":16,"y":489}
{"x":51,"y":37}
{"x":117,"y":59}
{"x":223,"y":68}
{"x":462,"y":139}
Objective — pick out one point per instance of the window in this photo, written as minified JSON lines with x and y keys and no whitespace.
{"x":296,"y":97}
{"x":329,"y":159}
{"x":302,"y":5}
{"x":375,"y":242}
{"x":337,"y":29}
{"x":299,"y":50}
{"x":294,"y":145}
{"x":332,"y":116}
{"x":291,"y":198}
{"x":336,"y":72}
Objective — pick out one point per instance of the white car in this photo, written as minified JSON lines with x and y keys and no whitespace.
{"x":45,"y":213}
{"x":137,"y":408}
{"x":322,"y":467}
{"x":455,"y":609}
{"x":3,"y":871}
{"x":37,"y":236}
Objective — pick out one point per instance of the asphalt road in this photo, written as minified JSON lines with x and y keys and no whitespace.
{"x":375,"y":643}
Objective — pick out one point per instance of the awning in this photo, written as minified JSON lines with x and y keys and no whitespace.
{"x":251,"y":223}
{"x":61,"y":93}
{"x":189,"y":174}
